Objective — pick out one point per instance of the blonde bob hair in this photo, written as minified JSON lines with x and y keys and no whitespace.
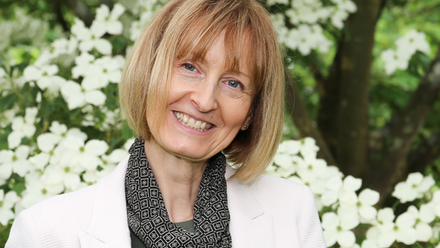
{"x":185,"y":29}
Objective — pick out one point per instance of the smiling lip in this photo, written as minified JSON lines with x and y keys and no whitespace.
{"x":197,"y":125}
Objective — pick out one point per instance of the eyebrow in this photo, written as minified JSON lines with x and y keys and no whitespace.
{"x":237,"y":72}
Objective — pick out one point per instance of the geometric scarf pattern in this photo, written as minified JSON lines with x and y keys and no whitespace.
{"x":148,"y":218}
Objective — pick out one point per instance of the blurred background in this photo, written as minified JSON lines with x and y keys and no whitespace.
{"x":362,"y":80}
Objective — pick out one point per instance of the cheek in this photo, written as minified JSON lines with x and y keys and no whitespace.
{"x":237,"y":115}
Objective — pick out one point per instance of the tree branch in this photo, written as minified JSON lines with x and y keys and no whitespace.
{"x":60,"y":16}
{"x":304,"y":122}
{"x":425,"y":154}
{"x":403,"y":128}
{"x":383,"y":3}
{"x":83,"y":12}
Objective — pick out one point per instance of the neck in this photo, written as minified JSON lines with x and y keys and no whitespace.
{"x":178,"y":181}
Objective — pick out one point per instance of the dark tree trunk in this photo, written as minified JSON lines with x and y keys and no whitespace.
{"x":304,"y":122}
{"x":343,"y":113}
{"x":404,"y":127}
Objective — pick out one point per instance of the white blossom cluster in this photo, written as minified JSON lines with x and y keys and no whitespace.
{"x":62,"y":160}
{"x":344,"y":209}
{"x":81,"y":68}
{"x":407,"y":45}
{"x":307,"y":18}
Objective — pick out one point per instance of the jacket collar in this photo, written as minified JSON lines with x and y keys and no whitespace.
{"x":249,"y":226}
{"x":108,"y":226}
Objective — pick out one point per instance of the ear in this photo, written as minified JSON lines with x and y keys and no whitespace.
{"x":246,"y":123}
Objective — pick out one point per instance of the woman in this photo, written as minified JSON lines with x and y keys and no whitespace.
{"x":203,"y":82}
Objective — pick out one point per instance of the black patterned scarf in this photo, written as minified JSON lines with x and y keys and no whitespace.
{"x":148,"y":217}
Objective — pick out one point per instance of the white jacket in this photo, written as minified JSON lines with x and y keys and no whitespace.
{"x":271,"y":212}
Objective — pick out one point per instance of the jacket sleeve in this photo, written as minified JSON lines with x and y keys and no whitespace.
{"x":309,"y":226}
{"x":24,"y":232}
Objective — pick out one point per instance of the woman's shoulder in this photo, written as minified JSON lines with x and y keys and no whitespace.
{"x":275,"y":193}
{"x":78,"y":199}
{"x":273,"y":190}
{"x":52,"y":222}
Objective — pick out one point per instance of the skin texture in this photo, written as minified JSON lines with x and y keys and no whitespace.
{"x":206,"y":91}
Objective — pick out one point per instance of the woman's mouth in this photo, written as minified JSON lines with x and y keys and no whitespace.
{"x":198,"y":125}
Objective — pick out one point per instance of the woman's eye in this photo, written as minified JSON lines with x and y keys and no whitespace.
{"x":234,"y":84}
{"x":189,"y":67}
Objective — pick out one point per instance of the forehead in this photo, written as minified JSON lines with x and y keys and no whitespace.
{"x":196,"y":43}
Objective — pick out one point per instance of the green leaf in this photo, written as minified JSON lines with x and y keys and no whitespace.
{"x":8,"y":101}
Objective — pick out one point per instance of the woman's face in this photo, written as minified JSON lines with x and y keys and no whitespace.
{"x":208,"y":105}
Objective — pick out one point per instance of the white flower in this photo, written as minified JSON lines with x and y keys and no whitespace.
{"x":6,"y":117}
{"x":111,"y":119}
{"x":45,"y":77}
{"x":46,"y":143}
{"x":58,"y":129}
{"x":301,"y":39}
{"x":107,"y":70}
{"x":7,"y":202}
{"x":17,"y":162}
{"x":273,"y":2}
{"x":286,"y":167}
{"x":414,"y":187}
{"x":22,"y":127}
{"x":137,"y":26}
{"x":68,"y":175}
{"x":84,"y":65}
{"x":394,"y":60}
{"x":2,"y":80}
{"x":5,"y":165}
{"x":401,"y":231}
{"x":289,"y":147}
{"x":313,"y":172}
{"x":337,"y":188}
{"x":280,"y":27}
{"x":338,"y":18}
{"x":362,"y":204}
{"x":128,"y":144}
{"x":37,"y":190}
{"x":411,"y":42}
{"x":308,"y":14}
{"x":423,"y":218}
{"x":84,"y":154}
{"x":321,"y":42}
{"x":308,"y":148}
{"x":372,"y":236}
{"x":2,"y":73}
{"x":346,"y":5}
{"x":91,"y":38}
{"x":77,"y":96}
{"x":108,"y":21}
{"x":58,"y":47}
{"x":115,"y":156}
{"x":20,"y":163}
{"x":76,"y":133}
{"x":335,"y":231}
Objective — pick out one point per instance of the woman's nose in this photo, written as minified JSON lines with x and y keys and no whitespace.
{"x":204,"y":97}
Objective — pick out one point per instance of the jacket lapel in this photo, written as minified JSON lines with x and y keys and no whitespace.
{"x":108,"y":225}
{"x":249,"y":226}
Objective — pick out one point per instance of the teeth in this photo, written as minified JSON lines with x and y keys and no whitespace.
{"x":191,"y":122}
{"x":197,"y":125}
{"x":200,"y":126}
